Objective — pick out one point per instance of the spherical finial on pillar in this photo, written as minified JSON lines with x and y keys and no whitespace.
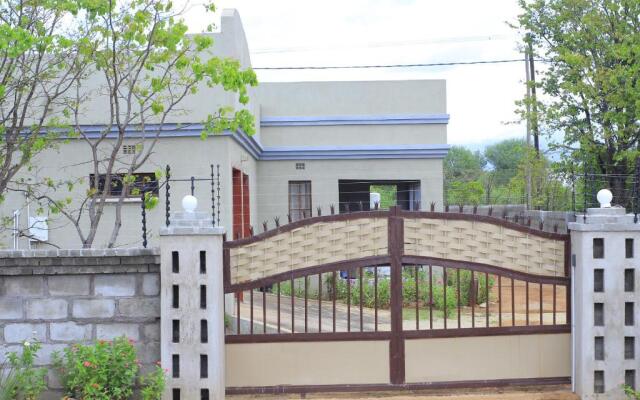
{"x":604,"y":197}
{"x":189,"y":203}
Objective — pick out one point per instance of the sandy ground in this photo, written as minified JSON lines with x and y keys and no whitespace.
{"x":532,"y":393}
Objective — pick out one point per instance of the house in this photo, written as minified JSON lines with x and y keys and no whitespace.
{"x":317,"y":145}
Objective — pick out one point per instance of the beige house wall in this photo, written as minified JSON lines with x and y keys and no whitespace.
{"x":488,"y":357}
{"x":353,"y":135}
{"x":307,"y":363}
{"x":274,"y":177}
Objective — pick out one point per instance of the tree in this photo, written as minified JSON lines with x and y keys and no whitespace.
{"x":463,"y":164}
{"x":142,"y":65}
{"x":591,"y":92}
{"x":464,"y":193}
{"x":505,"y":157}
{"x":40,"y":60}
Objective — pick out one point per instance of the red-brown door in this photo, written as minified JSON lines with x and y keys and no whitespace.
{"x":241,"y":207}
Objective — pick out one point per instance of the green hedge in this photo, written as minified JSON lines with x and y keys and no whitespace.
{"x":408,"y":289}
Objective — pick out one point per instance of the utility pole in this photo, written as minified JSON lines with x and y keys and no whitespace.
{"x":534,"y":105}
{"x":528,"y":108}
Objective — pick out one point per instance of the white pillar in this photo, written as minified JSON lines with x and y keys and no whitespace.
{"x":190,"y":239}
{"x":612,"y":227}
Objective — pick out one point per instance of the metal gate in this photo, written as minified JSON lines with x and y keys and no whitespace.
{"x":396,"y":299}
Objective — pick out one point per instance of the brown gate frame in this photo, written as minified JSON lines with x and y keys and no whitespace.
{"x":396,"y":259}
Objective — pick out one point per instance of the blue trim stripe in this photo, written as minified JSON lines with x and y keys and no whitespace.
{"x":355,"y":152}
{"x":258,"y":152}
{"x":393,"y":119}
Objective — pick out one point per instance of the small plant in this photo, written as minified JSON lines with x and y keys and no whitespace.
{"x":153,"y":384}
{"x":106,"y":370}
{"x":19,"y":379}
{"x":630,"y":393}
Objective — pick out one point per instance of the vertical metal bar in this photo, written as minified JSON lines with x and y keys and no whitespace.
{"x":334,"y":301}
{"x":527,"y":302}
{"x":513,"y":303}
{"x":306,"y":308}
{"x":417,"y":300}
{"x":144,"y":221}
{"x":167,"y":201}
{"x":430,"y":297}
{"x":320,"y":302}
{"x":238,"y":297}
{"x":499,"y":300}
{"x":349,"y":300}
{"x":361,"y":298}
{"x":486,"y":295}
{"x":541,"y":306}
{"x":472,"y":299}
{"x":375,"y":297}
{"x":278,"y":307}
{"x":193,"y":185}
{"x":264,"y":310}
{"x":444,"y":294}
{"x":218,"y":194}
{"x":554,"y":303}
{"x":251,"y":311}
{"x":293,"y":304}
{"x":458,"y":296}
{"x":213,"y":197}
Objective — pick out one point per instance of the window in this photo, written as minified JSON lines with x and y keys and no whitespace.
{"x":599,"y":348}
{"x":598,"y":280}
{"x":598,"y":248}
{"x":141,"y":182}
{"x":598,"y":314}
{"x":628,"y":314}
{"x":300,"y":165}
{"x":598,"y":381}
{"x":630,"y":378}
{"x":628,"y":248}
{"x":299,"y":200}
{"x":629,"y":347}
{"x":629,"y":280}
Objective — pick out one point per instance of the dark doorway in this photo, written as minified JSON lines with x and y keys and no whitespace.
{"x":353,"y":194}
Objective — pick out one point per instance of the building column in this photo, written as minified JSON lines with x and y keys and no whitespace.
{"x":192,"y":306}
{"x":605,"y":252}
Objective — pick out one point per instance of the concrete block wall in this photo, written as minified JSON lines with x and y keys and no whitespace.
{"x":62,"y":297}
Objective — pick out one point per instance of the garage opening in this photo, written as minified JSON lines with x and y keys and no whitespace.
{"x":355,"y":194}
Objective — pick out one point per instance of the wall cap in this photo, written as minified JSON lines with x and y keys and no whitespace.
{"x":117,"y":252}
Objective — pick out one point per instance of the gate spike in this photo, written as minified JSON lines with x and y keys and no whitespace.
{"x":264,"y":225}
{"x":555,"y":228}
{"x":319,"y":211}
{"x":376,"y":205}
{"x":251,"y":230}
{"x":541,"y":225}
{"x":433,"y":206}
{"x":446,"y":208}
{"x":529,"y":221}
{"x":289,"y":218}
{"x":475,"y":209}
{"x":333,"y":209}
{"x":490,"y":211}
{"x":460,"y":208}
{"x":277,"y":221}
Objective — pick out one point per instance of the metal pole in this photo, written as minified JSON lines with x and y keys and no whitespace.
{"x":528,"y":108}
{"x":193,"y":185}
{"x":167,"y":202}
{"x":144,"y":221}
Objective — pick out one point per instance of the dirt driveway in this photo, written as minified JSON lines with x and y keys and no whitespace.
{"x":533,"y":393}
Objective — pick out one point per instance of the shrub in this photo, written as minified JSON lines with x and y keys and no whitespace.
{"x":18,"y":377}
{"x":106,"y":370}
{"x":630,"y":393}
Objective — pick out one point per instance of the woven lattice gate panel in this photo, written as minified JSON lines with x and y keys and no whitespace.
{"x":482,"y":242}
{"x":308,"y":246}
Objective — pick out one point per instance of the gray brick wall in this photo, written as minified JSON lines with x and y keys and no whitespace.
{"x":62,"y":297}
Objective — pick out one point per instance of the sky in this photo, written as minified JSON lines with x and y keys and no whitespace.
{"x":480,"y":98}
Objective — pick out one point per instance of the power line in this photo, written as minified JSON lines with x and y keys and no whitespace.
{"x":437,"y":64}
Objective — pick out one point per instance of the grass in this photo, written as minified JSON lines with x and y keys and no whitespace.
{"x":409,"y":314}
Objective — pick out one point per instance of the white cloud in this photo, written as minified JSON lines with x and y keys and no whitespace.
{"x":358,"y":32}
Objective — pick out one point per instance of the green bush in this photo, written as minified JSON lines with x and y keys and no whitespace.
{"x":19,"y":379}
{"x":106,"y":370}
{"x":408,"y":289}
{"x":630,"y":393}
